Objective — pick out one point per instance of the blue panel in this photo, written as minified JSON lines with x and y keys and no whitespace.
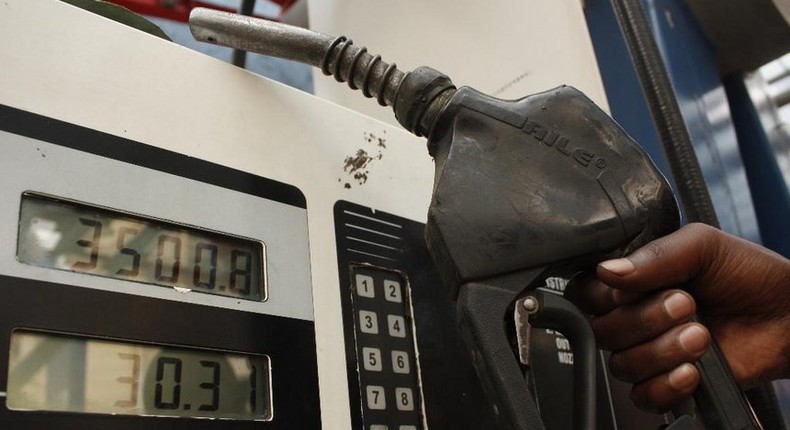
{"x":703,"y":102}
{"x":700,"y":94}
{"x":626,"y":100}
{"x":768,"y":187}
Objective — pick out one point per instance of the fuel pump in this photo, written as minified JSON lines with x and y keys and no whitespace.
{"x":544,"y":186}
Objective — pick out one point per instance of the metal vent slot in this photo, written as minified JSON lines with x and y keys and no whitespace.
{"x":372,"y":237}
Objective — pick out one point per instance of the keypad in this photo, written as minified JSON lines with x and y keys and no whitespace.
{"x":388,"y":379}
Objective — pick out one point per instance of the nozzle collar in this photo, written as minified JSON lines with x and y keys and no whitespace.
{"x":415,"y":95}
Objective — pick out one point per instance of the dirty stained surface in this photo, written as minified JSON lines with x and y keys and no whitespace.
{"x":358,"y":165}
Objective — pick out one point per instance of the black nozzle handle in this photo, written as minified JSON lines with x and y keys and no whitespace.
{"x":482,"y":314}
{"x":721,"y":403}
{"x":556,"y":313}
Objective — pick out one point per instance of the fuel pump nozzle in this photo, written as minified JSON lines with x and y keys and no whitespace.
{"x":546,"y":185}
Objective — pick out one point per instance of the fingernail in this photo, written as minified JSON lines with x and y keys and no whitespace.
{"x":678,"y":306}
{"x":620,"y":266}
{"x":682,"y":377}
{"x":693,"y":339}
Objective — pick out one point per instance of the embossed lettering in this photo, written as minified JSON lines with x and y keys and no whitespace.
{"x":536,"y":130}
{"x":583,"y":157}
{"x":562,"y":144}
{"x":551,"y":138}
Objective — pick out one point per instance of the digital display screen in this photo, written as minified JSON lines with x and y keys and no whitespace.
{"x":67,"y":235}
{"x":66,"y":373}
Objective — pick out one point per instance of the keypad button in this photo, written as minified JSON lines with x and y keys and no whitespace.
{"x":376,"y":398}
{"x":404,"y":399}
{"x":371,"y":358}
{"x":400,"y":362}
{"x":392,"y":291}
{"x":364,"y":286}
{"x":368,"y":322}
{"x":396,"y":325}
{"x":407,"y":428}
{"x":380,"y":427}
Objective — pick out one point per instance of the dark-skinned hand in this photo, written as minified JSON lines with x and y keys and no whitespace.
{"x":643,"y":305}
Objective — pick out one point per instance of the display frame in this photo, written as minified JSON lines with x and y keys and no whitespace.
{"x":263,"y":288}
{"x":290,"y":344}
{"x":40,"y":299}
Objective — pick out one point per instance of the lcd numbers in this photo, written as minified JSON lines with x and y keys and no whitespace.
{"x":67,"y":235}
{"x":54,"y":372}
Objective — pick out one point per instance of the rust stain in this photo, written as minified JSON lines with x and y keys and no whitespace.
{"x":358,"y":165}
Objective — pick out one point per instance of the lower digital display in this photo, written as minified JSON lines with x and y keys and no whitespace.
{"x":67,"y":373}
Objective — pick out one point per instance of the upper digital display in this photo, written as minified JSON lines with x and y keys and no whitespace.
{"x":66,"y":235}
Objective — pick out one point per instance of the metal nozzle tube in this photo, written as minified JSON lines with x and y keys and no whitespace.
{"x":333,"y":55}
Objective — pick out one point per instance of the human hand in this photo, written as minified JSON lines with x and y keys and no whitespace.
{"x":644,"y":304}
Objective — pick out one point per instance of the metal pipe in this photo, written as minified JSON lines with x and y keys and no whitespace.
{"x":333,"y":55}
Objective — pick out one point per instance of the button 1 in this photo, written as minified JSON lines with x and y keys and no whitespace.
{"x":364,"y":286}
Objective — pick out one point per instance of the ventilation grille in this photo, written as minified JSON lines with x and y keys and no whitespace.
{"x":367,"y":236}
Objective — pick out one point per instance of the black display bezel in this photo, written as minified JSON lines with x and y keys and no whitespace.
{"x":45,"y":306}
{"x":40,"y":305}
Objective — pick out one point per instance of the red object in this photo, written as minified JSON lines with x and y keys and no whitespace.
{"x":178,"y":10}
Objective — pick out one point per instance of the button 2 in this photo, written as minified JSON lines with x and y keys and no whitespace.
{"x":392,"y":291}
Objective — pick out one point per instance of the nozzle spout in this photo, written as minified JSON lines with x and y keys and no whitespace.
{"x":416,"y":97}
{"x":333,"y":55}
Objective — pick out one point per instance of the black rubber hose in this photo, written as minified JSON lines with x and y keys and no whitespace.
{"x":665,"y":111}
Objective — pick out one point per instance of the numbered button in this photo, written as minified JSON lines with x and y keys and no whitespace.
{"x":364,"y":286}
{"x":392,"y":291}
{"x":368,"y":322}
{"x":404,"y":399}
{"x":407,"y":428}
{"x":380,"y":427}
{"x":396,"y":325}
{"x":372,"y":359}
{"x":376,"y":400}
{"x":400,"y":362}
